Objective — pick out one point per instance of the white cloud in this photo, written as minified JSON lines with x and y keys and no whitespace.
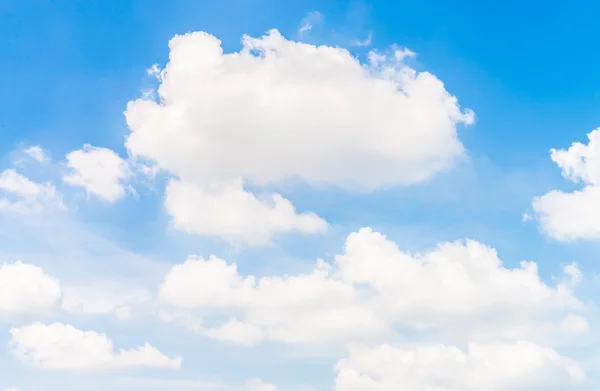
{"x":573,"y":215}
{"x":279,"y":110}
{"x":569,"y":216}
{"x":493,"y":367}
{"x":62,"y":347}
{"x":373,"y":288}
{"x":101,"y":171}
{"x":26,"y":289}
{"x":294,"y":110}
{"x":19,"y":194}
{"x":230,"y":212}
{"x":37,"y":153}
{"x":11,"y":389}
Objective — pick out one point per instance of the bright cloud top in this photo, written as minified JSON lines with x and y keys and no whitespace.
{"x":61,"y":347}
{"x":100,"y":171}
{"x":574,"y":215}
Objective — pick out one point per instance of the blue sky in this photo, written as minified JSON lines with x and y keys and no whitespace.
{"x":96,"y":220}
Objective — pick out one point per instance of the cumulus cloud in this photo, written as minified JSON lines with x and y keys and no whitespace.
{"x":573,"y":215}
{"x":61,"y":347}
{"x":372,"y":288}
{"x":493,"y":367}
{"x":280,"y":109}
{"x":229,"y":211}
{"x":100,"y":171}
{"x":27,"y":289}
{"x":19,"y":194}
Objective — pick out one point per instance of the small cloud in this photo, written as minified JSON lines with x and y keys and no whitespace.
{"x":365,"y":42}
{"x":154,"y":71}
{"x":149,"y":94}
{"x":309,"y":21}
{"x":36,"y":152}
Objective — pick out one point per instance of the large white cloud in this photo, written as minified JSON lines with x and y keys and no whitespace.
{"x":280,"y":109}
{"x":61,"y":347}
{"x":491,"y":367}
{"x":19,"y":194}
{"x":573,"y":215}
{"x":373,"y":288}
{"x":100,"y":171}
{"x":27,"y":289}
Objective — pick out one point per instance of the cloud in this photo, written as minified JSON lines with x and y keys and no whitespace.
{"x":26,"y":289}
{"x":309,"y":21}
{"x":460,"y":290}
{"x":493,"y":367}
{"x":364,"y":42}
{"x":37,"y":153}
{"x":281,"y":109}
{"x":230,"y":212}
{"x":100,"y":171}
{"x":61,"y":347}
{"x":22,"y":195}
{"x":278,"y":110}
{"x":573,"y":215}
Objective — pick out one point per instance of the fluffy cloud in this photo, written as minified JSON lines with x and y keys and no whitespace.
{"x":280,"y":109}
{"x":62,"y":347}
{"x":19,"y":194}
{"x":573,"y":215}
{"x":374,"y":287}
{"x":492,"y":367}
{"x":26,"y":289}
{"x":230,"y":212}
{"x":101,"y":171}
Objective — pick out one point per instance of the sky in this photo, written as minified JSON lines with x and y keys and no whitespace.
{"x":259,"y":195}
